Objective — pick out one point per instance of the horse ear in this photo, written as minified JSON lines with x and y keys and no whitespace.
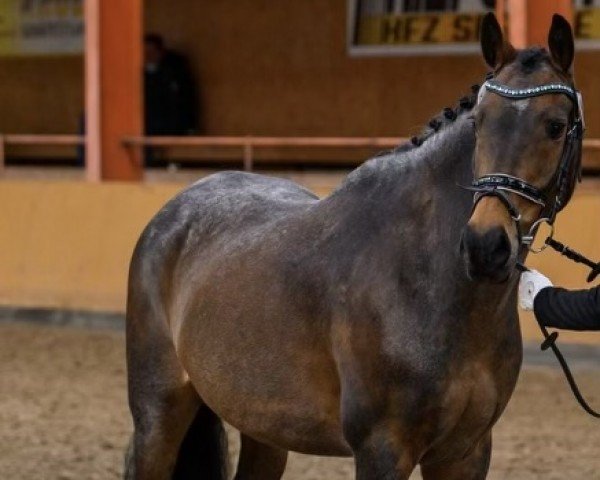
{"x":561,"y":43}
{"x":496,"y":51}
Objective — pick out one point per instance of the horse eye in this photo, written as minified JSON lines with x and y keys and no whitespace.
{"x":555,"y":129}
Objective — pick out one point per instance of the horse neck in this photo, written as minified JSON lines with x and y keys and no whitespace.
{"x":407,"y":212}
{"x":394,"y":187}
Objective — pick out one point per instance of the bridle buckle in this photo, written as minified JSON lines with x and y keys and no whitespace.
{"x":528,"y":239}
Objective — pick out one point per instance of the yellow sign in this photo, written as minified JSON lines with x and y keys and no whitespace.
{"x":41,"y":27}
{"x":435,"y":26}
{"x":419,"y":29}
{"x":587,"y":24}
{"x":415,"y":26}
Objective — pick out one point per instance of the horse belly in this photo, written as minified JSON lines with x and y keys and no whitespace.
{"x":271,"y":382}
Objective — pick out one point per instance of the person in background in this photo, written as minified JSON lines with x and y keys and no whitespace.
{"x":558,"y":307}
{"x":170,"y":99}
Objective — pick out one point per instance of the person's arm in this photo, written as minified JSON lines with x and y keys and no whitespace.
{"x":568,"y":309}
{"x":557,"y":307}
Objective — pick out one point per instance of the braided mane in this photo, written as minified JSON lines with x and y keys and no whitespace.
{"x":447,"y":116}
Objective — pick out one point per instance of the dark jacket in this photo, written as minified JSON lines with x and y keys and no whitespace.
{"x":568,"y":309}
{"x":170,"y":98}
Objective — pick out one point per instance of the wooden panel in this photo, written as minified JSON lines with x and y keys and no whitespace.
{"x":272,"y":68}
{"x":68,"y":244}
{"x":41,"y":94}
{"x":268,"y":68}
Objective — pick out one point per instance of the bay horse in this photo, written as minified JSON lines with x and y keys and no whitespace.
{"x":379,"y":322}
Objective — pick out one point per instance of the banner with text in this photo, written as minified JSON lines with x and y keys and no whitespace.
{"x":380,"y":27}
{"x":41,"y":27}
{"x":586,"y":24}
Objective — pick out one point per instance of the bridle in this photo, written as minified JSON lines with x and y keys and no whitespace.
{"x":554,"y":196}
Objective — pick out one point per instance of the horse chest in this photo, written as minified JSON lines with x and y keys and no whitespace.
{"x":467,"y":409}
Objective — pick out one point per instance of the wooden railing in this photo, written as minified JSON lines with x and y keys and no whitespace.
{"x":246,"y":144}
{"x":37,"y":140}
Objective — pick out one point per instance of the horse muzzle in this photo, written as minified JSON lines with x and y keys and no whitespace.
{"x":488,"y":254}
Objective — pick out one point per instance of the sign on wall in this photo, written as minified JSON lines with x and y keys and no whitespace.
{"x":41,"y":27}
{"x":415,"y":26}
{"x":586,"y":24}
{"x":388,"y":27}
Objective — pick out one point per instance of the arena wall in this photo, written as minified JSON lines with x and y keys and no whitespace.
{"x":66,"y":245}
{"x":270,"y":68}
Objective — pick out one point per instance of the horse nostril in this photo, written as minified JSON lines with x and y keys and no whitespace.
{"x":488,"y":252}
{"x":498,"y":247}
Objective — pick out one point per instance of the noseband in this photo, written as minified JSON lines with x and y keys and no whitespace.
{"x":500,"y":185}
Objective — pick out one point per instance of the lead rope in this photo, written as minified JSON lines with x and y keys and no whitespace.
{"x":551,"y":338}
{"x":575,"y":257}
{"x":550,"y":342}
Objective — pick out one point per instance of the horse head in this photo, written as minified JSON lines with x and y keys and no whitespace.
{"x":528,"y":127}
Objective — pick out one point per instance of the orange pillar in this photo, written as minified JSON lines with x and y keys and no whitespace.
{"x":501,"y":13}
{"x":517,"y":20}
{"x":113,"y":68}
{"x":540,"y":17}
{"x":531,"y":19}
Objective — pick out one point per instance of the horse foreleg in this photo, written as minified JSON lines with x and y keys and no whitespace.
{"x":472,"y":467}
{"x":382,"y":456}
{"x":259,"y":461}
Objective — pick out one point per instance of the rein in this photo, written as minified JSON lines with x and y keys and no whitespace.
{"x":500,"y":185}
{"x":551,"y":338}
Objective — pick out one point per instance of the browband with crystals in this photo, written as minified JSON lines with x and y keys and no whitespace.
{"x":522,"y":93}
{"x":510,"y":92}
